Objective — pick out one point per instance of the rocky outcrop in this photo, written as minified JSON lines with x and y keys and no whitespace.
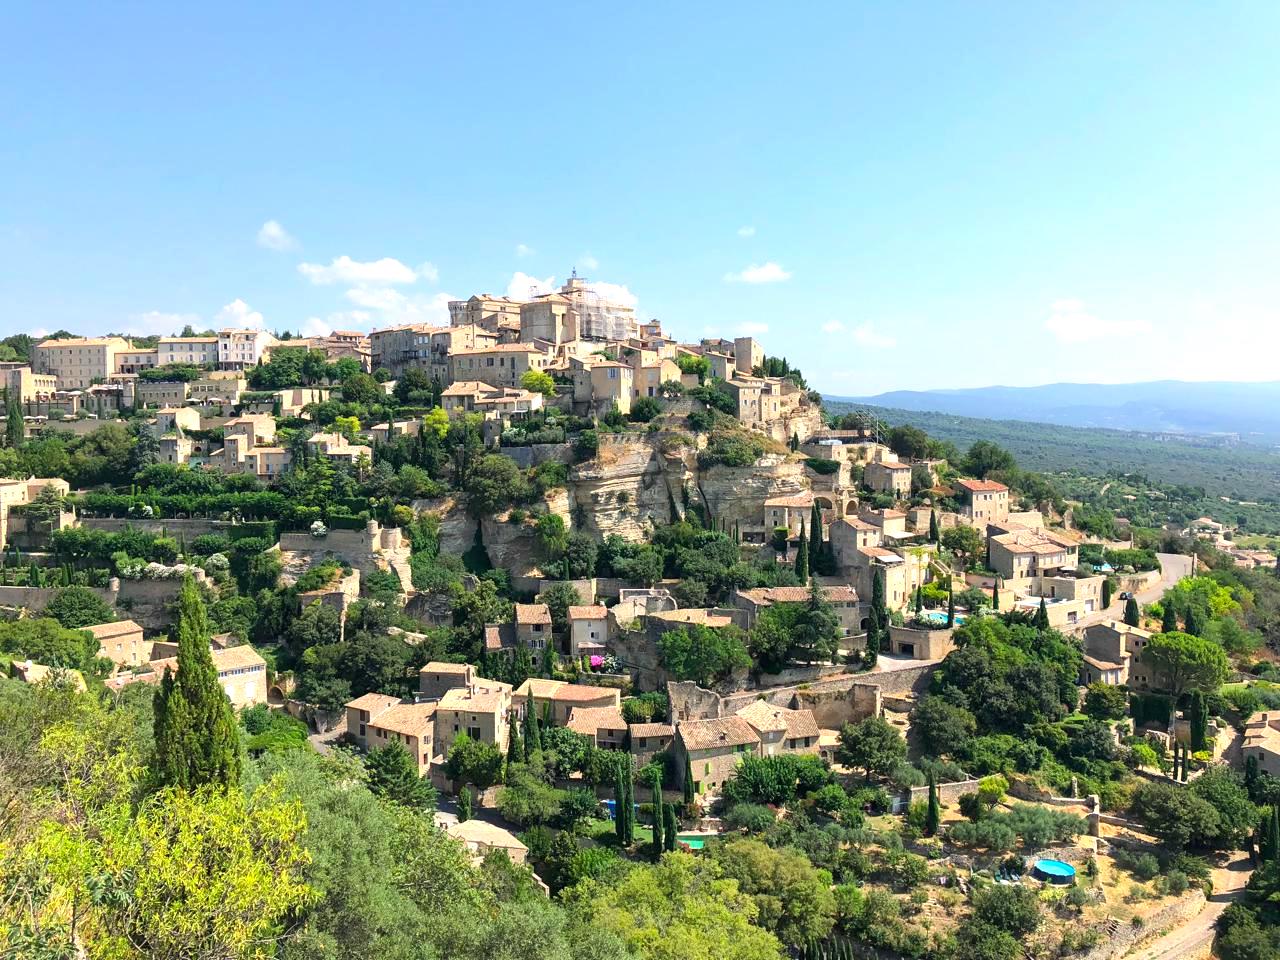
{"x":736,"y":494}
{"x":512,"y":546}
{"x":635,"y":483}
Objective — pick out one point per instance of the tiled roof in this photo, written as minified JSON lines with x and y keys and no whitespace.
{"x":588,"y":613}
{"x":533,"y":613}
{"x":439,"y":666}
{"x":588,"y":720}
{"x":841,"y":593}
{"x":1032,"y":541}
{"x":118,"y":628}
{"x":794,"y":500}
{"x":583,"y":693}
{"x":487,"y":698}
{"x":765,"y":717}
{"x":652,"y":730}
{"x":982,"y":486}
{"x":374,"y":703}
{"x":411,"y":719}
{"x":705,"y":617}
{"x":880,"y":553}
{"x":500,"y":636}
{"x":723,"y":732}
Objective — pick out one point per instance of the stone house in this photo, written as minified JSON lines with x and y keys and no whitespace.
{"x":561,"y":698}
{"x":842,"y":597}
{"x":647,"y":740}
{"x":604,"y":725}
{"x":714,"y":748}
{"x":1116,"y":649}
{"x":789,"y":511}
{"x":780,"y":729}
{"x":1017,"y":553}
{"x":888,"y":476}
{"x":533,"y":625}
{"x":983,"y":501}
{"x":121,"y":642}
{"x":480,"y":710}
{"x":376,"y":720}
{"x":588,"y":630}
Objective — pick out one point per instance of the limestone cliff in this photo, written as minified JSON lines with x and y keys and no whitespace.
{"x":735,"y":494}
{"x":635,"y":483}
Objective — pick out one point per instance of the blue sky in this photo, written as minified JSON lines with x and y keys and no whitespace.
{"x":892,"y":195}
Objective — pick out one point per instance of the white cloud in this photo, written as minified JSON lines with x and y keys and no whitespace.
{"x":1070,"y":322}
{"x":752,"y":329}
{"x":588,"y":262}
{"x":158,"y":321}
{"x":345,"y":270}
{"x":275,"y":237}
{"x":39,"y":333}
{"x":867,"y":336}
{"x":238,"y":314}
{"x":342,"y":320}
{"x":615,"y":293}
{"x":524,"y":250}
{"x":832,"y":326}
{"x":747,"y":231}
{"x":377,"y":298}
{"x":768,"y":272}
{"x":522,"y":286}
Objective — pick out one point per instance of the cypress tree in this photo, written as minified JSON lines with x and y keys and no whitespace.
{"x":629,"y":786}
{"x":1198,"y":716}
{"x":933,"y":815}
{"x":688,"y":781}
{"x":1042,"y":616}
{"x":659,"y":822}
{"x":670,"y":828}
{"x":515,"y":747}
{"x":1251,"y":775}
{"x":1193,"y":620}
{"x":815,"y":539}
{"x":1106,"y":594}
{"x":1170,"y":622}
{"x":995,"y":594}
{"x":918,"y":601}
{"x":802,"y":557}
{"x":532,"y":735}
{"x":197,"y":743}
{"x":951,"y":607}
{"x":935,"y":535}
{"x":1275,"y":832}
{"x":1132,"y":615}
{"x":620,"y":806}
{"x":14,"y":429}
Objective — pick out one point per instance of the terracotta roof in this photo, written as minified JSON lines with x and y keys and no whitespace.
{"x":722,"y":732}
{"x":801,"y":723}
{"x":794,"y":500}
{"x":652,"y":730}
{"x":439,"y":666}
{"x":499,"y":348}
{"x":231,"y":658}
{"x":374,"y":703}
{"x":589,"y":720}
{"x":693,"y":615}
{"x":765,"y":717}
{"x":840,"y":593}
{"x":858,"y":524}
{"x":1101,"y":664}
{"x":411,"y":719}
{"x":596,"y":612}
{"x":880,"y":553}
{"x":1032,"y":541}
{"x":480,"y":698}
{"x":584,"y":693}
{"x":488,"y":834}
{"x":105,"y":631}
{"x":982,"y":486}
{"x":500,"y":636}
{"x":532,"y":613}
{"x":538,"y":688}
{"x":889,"y":465}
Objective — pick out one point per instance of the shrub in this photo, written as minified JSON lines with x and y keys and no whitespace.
{"x":750,"y":817}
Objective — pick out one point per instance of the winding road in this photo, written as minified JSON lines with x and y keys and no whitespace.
{"x":1196,"y":935}
{"x":1173,"y":567}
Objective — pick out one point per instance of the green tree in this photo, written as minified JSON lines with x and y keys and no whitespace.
{"x":537,"y":381}
{"x":872,"y":745}
{"x":76,"y":607}
{"x":943,"y":728}
{"x":474,"y":761}
{"x":1013,"y":909}
{"x":1169,"y":623}
{"x":1105,"y":702}
{"x":14,"y":428}
{"x":196,"y":740}
{"x":1183,"y":663}
{"x":659,"y":822}
{"x":393,"y":774}
{"x":1198,"y":716}
{"x":1041,"y":621}
{"x":703,"y":654}
{"x":1106,"y":593}
{"x":933,"y":816}
{"x":793,"y":898}
{"x":688,"y":781}
{"x":670,"y":827}
{"x":559,"y":597}
{"x":1132,"y":615}
{"x":935,"y":534}
{"x":964,"y":541}
{"x":802,"y":557}
{"x":464,"y":805}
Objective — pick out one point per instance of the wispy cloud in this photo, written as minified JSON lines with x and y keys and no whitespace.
{"x":1071,"y":322}
{"x":747,"y":231}
{"x":832,"y":326}
{"x":237,"y":313}
{"x":387,"y":270}
{"x":866,"y":335}
{"x":588,"y":262}
{"x":752,"y":329}
{"x":275,"y":237}
{"x":524,"y":250}
{"x":769,"y":272}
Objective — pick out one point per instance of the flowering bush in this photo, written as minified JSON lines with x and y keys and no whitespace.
{"x":318,"y":529}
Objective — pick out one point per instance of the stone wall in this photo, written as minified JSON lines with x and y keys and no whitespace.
{"x":834,"y":703}
{"x":1126,"y":936}
{"x":947,"y":792}
{"x":535,"y":454}
{"x":173,"y":528}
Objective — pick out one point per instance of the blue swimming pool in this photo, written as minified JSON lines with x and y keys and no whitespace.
{"x":1055,"y":871}
{"x":940,"y":618}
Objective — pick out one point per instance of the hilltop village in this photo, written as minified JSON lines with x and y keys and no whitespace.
{"x":596,"y":613}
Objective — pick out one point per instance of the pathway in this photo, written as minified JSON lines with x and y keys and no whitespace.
{"x":1196,"y":935}
{"x":1173,"y":567}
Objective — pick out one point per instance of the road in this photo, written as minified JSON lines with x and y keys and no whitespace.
{"x":1173,"y":567}
{"x":1196,"y":935}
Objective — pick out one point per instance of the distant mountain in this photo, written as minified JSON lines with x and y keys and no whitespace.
{"x":1164,"y":406}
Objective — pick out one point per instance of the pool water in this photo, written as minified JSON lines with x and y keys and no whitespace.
{"x":941,"y":618}
{"x":694,"y":843}
{"x":1055,"y":871}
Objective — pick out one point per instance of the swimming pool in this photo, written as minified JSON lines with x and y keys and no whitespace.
{"x":939,"y":618}
{"x":1055,"y":871}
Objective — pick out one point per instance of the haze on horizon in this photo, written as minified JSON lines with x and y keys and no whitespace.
{"x":894,"y":198}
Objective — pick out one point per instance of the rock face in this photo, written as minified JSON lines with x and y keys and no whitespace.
{"x":634,"y":484}
{"x":735,"y":494}
{"x":512,"y":546}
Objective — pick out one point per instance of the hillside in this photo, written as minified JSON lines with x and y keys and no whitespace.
{"x":1244,"y":472}
{"x":1165,"y":406}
